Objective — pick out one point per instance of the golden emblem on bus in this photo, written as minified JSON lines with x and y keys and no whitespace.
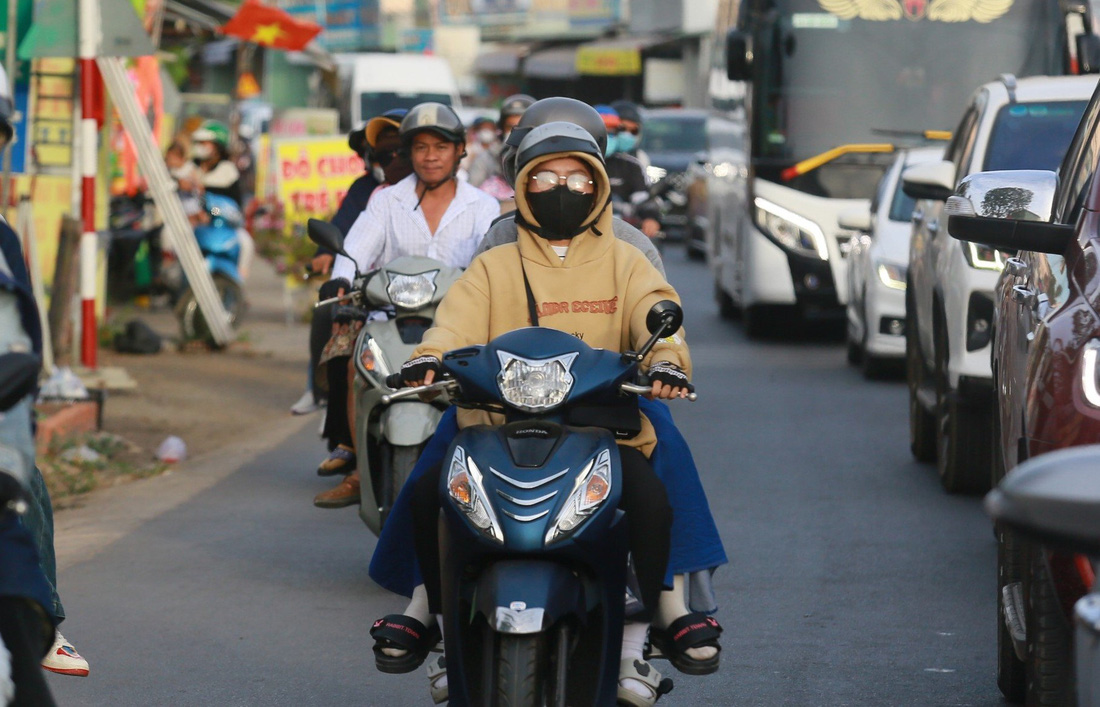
{"x":915,"y":10}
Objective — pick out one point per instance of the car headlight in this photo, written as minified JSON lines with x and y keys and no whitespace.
{"x":535,"y":385}
{"x":655,"y":173}
{"x":983,"y":257}
{"x":411,"y":291}
{"x":793,"y":232}
{"x":891,"y":275}
{"x":592,"y":488}
{"x":1089,"y":385}
{"x":464,"y":486}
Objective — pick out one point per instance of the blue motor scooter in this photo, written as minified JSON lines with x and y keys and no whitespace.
{"x":220,"y":245}
{"x":533,"y":544}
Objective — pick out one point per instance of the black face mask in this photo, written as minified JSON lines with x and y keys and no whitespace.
{"x":560,"y":212}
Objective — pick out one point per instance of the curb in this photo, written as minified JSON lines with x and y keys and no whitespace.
{"x":64,"y":420}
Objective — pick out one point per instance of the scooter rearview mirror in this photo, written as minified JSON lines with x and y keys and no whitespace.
{"x":326,"y":235}
{"x":665,"y":317}
{"x":18,"y":376}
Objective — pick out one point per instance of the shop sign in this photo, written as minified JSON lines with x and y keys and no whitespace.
{"x":312,"y":176}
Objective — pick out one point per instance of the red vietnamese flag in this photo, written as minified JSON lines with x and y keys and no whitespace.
{"x":270,"y":27}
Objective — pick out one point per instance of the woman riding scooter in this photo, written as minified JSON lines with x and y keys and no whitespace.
{"x":563,"y":196}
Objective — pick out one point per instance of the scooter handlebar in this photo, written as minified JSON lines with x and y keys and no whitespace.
{"x":394,"y":381}
{"x":412,"y":392}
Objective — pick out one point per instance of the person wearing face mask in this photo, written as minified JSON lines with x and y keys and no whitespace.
{"x":628,"y":181}
{"x":630,"y":130}
{"x":210,"y":152}
{"x":381,"y":145}
{"x":486,"y":165}
{"x":697,"y":549}
{"x":563,"y":197}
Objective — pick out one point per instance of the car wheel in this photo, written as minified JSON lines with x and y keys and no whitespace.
{"x":695,"y":245}
{"x":922,"y":430}
{"x":854,"y":354}
{"x":762,"y":321}
{"x":873,"y":367}
{"x":1011,"y":562}
{"x":962,"y":433}
{"x":727,"y":308}
{"x":1049,"y":639}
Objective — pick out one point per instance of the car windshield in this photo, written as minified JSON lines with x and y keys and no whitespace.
{"x":1032,"y":135}
{"x":674,"y":134}
{"x":372,"y":103}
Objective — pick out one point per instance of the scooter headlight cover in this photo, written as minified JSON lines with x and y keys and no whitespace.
{"x":465,"y":488}
{"x":411,"y":291}
{"x":535,"y":385}
{"x":592,"y":488}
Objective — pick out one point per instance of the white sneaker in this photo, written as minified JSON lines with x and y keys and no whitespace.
{"x":64,"y":660}
{"x":305,"y":405}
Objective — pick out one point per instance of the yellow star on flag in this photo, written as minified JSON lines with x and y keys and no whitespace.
{"x":267,"y":34}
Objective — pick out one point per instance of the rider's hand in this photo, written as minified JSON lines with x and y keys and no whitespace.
{"x":322,"y":263}
{"x":669,"y":381}
{"x":651,"y":227}
{"x":419,"y":371}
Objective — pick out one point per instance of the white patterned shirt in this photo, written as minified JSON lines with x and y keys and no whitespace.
{"x":392,"y":226}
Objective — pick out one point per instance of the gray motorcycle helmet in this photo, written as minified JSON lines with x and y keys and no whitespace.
{"x":548,"y":110}
{"x":514,"y":105}
{"x":437,"y":118}
{"x":553,"y":138}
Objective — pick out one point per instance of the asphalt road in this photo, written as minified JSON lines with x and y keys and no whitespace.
{"x":854,"y":580}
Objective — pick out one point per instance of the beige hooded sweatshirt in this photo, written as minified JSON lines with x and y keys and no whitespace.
{"x":601,"y":293}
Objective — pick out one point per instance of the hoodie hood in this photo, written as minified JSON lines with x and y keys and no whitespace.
{"x":588,"y":245}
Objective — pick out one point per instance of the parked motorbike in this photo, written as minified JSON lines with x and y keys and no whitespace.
{"x":1054,"y":500}
{"x":389,"y":437}
{"x":220,"y":245}
{"x":533,"y":546}
{"x":134,"y":252}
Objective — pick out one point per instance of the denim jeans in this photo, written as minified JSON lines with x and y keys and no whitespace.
{"x":39,"y":521}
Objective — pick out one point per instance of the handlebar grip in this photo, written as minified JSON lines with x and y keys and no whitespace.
{"x":394,"y":381}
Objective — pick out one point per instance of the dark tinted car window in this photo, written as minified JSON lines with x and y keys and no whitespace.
{"x":674,"y":134}
{"x":1032,"y":135}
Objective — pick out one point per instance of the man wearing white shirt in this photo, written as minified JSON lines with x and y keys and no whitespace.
{"x":430,"y":213}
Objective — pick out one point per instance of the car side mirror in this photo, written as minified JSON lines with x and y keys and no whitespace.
{"x":1088,"y":53}
{"x":1008,"y":210}
{"x":738,"y":56}
{"x":326,"y":235}
{"x":855,"y":220}
{"x":935,"y":181}
{"x":1053,"y":499}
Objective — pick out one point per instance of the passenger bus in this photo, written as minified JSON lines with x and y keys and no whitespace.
{"x":827,"y":89}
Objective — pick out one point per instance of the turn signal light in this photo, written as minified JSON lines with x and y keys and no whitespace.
{"x":459,"y":488}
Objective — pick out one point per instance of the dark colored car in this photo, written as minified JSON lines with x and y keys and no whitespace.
{"x":1045,"y":375}
{"x":673,"y":139}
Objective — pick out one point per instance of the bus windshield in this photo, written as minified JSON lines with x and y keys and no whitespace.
{"x":826,"y":77}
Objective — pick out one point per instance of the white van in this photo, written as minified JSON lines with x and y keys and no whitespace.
{"x":375,"y":83}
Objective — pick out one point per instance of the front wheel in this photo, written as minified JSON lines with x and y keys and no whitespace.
{"x":1049,"y":639}
{"x":922,"y":425}
{"x":521,"y":662}
{"x":397,"y":466}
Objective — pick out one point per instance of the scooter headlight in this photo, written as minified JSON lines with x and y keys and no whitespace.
{"x":592,"y":489}
{"x":535,"y":385}
{"x":465,"y":488}
{"x":411,"y":291}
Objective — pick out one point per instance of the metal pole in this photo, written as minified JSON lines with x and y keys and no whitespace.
{"x":9,"y":63}
{"x":89,"y":36}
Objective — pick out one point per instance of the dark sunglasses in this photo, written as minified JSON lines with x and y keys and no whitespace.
{"x":632,"y":131}
{"x":383,"y":159}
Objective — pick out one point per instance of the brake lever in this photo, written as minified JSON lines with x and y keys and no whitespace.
{"x":646,"y":390}
{"x":446,"y":385}
{"x":334,"y":300}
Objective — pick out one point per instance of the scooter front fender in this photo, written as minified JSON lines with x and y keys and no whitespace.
{"x":409,"y":423}
{"x":528,"y":596}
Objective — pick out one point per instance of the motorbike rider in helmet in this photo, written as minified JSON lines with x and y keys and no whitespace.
{"x":379,"y":143}
{"x":630,"y":130}
{"x":628,"y":181}
{"x":487,"y":162}
{"x":210,"y":151}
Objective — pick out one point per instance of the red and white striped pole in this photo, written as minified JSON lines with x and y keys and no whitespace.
{"x":89,"y":32}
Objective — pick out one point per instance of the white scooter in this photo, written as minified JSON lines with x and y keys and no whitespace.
{"x":389,"y":437}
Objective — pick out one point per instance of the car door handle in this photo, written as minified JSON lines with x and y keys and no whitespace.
{"x":1024,"y":296}
{"x":1015,"y":267}
{"x":934,"y":226}
{"x":917,"y":215}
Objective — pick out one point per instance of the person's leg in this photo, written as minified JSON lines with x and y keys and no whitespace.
{"x":337,"y":426}
{"x":39,"y":522}
{"x":649,"y":520}
{"x":320,"y":330}
{"x":425,"y":513}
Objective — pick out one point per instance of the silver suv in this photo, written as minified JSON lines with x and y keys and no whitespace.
{"x":1008,"y":124}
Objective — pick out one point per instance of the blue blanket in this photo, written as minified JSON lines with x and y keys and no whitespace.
{"x":696,"y":546}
